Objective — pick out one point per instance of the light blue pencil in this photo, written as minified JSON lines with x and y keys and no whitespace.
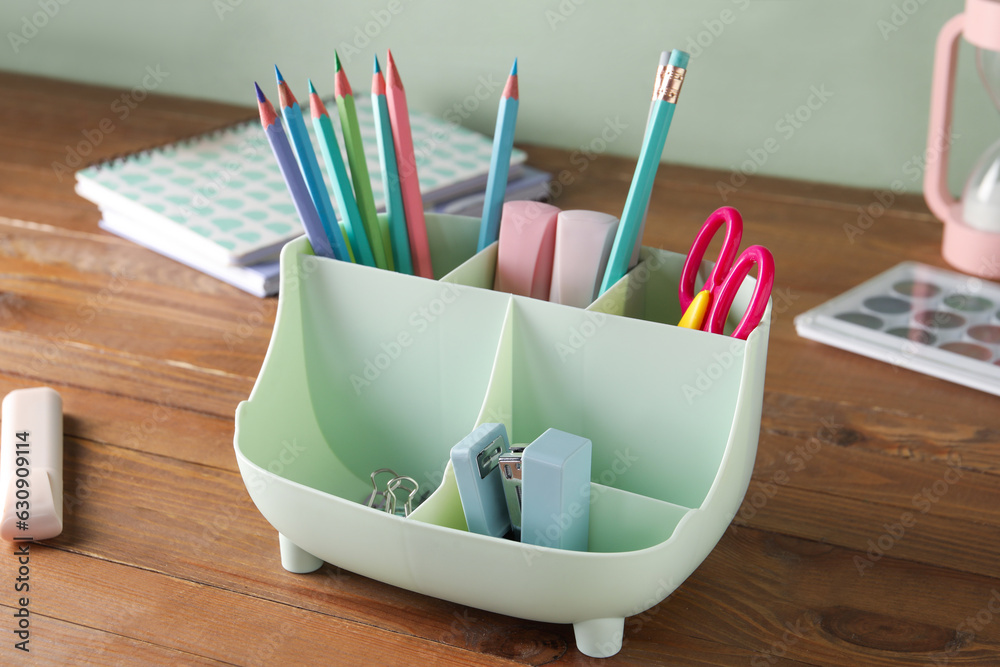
{"x":649,"y":160}
{"x":503,"y":143}
{"x":394,"y":212}
{"x":310,"y":168}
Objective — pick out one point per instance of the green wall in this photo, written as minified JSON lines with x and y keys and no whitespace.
{"x":586,"y":68}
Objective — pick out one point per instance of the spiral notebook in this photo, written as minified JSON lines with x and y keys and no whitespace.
{"x":220,"y":196}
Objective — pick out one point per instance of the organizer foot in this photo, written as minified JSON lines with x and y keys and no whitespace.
{"x":295,"y":559}
{"x":600,"y":637}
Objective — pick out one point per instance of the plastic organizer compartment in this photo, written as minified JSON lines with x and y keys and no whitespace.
{"x":371,"y":369}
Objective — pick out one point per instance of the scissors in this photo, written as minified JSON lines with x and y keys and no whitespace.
{"x":716,"y":297}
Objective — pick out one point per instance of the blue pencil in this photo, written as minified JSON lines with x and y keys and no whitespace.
{"x":503,"y":143}
{"x":292,"y":114}
{"x":293,"y":177}
{"x":665,"y":97}
{"x":394,"y":211}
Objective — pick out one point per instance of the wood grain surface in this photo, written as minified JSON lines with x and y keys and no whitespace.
{"x":870,"y":534}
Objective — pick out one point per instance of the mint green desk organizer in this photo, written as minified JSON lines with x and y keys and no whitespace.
{"x":370,"y":369}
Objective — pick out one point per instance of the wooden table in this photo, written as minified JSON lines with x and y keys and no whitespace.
{"x":165,"y":560}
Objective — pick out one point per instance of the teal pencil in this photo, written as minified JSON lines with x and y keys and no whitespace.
{"x":661,"y":69}
{"x":342,"y":190}
{"x":503,"y":143}
{"x":394,"y":212}
{"x":310,"y":168}
{"x":665,"y":96}
{"x":359,"y":167}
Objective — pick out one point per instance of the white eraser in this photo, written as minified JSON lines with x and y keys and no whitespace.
{"x":583,"y":246}
{"x":31,"y":464}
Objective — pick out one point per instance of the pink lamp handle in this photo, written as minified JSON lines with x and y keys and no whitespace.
{"x":936,"y":190}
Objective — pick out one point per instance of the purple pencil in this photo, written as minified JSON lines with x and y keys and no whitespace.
{"x":293,"y":177}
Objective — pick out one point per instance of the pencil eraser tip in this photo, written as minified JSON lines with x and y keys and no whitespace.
{"x":679,"y":58}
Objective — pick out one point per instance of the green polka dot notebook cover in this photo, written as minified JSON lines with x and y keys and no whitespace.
{"x":222,"y":195}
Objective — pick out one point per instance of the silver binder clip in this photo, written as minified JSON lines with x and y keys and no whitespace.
{"x":408,"y":485}
{"x":385,"y":498}
{"x":377,"y":498}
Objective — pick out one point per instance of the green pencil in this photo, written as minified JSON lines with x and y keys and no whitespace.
{"x":359,"y":167}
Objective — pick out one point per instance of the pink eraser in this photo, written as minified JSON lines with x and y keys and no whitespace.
{"x":583,"y":245}
{"x":527,"y":245}
{"x":31,"y":464}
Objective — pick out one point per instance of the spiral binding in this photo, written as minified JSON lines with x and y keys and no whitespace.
{"x":121,"y":158}
{"x":189,"y":140}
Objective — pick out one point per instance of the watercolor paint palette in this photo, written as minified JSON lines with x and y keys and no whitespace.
{"x":930,"y":320}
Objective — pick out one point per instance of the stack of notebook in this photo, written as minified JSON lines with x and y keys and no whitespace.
{"x":217,"y":202}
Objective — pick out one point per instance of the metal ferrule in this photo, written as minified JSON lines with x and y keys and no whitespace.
{"x":669,"y":80}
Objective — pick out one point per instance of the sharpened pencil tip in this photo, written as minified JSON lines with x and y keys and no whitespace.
{"x":510,"y":87}
{"x":277,"y":73}
{"x":268,"y":116}
{"x":336,"y":61}
{"x":316,"y":106}
{"x":377,"y":68}
{"x":341,"y":86}
{"x":312,"y":88}
{"x":392,"y":79}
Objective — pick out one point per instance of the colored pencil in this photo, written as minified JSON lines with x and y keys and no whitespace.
{"x":503,"y":143}
{"x":406,"y":164}
{"x":394,"y":214}
{"x":665,"y":96}
{"x":293,"y":177}
{"x":359,"y":167}
{"x":342,"y":190}
{"x":310,"y":167}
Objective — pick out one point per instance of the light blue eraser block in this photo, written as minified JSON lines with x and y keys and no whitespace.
{"x":476,"y":460}
{"x":555,"y":485}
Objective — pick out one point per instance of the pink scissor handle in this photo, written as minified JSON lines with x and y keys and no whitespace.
{"x":731,"y":218}
{"x":722,"y":300}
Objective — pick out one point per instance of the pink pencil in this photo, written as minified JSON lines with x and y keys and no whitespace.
{"x":406,"y":162}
